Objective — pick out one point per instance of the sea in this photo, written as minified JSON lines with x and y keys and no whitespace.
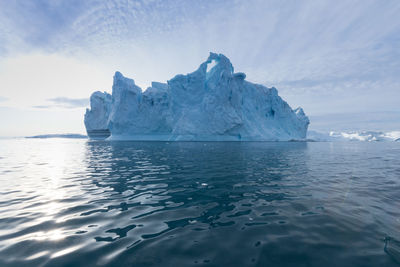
{"x":76,"y":202}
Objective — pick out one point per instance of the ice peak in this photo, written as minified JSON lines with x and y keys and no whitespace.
{"x":299,"y":111}
{"x":301,"y":115}
{"x":119,"y":78}
{"x":120,"y":82}
{"x":222,"y":62}
{"x":118,"y":75}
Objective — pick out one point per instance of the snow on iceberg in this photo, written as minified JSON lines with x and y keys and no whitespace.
{"x":210,"y":104}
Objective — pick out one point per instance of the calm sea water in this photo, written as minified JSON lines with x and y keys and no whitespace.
{"x":83,"y":203}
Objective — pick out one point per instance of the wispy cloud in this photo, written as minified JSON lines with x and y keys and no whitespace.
{"x":64,"y":102}
{"x":43,"y":106}
{"x":70,"y":102}
{"x":39,"y":23}
{"x":340,"y":56}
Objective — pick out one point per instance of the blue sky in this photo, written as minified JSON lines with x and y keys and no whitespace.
{"x":336,"y":59}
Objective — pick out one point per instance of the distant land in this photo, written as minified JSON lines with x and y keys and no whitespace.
{"x":68,"y":135}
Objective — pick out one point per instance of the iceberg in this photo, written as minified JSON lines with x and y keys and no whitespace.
{"x":212,"y":103}
{"x":363,"y":136}
{"x":96,"y":118}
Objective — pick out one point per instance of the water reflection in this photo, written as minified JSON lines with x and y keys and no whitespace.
{"x":192,"y":203}
{"x":156,"y":188}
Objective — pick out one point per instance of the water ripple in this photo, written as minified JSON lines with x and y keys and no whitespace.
{"x":84,"y":203}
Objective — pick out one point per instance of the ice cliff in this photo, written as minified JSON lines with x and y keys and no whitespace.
{"x":210,"y":104}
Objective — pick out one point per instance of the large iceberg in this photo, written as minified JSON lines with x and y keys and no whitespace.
{"x":210,"y":104}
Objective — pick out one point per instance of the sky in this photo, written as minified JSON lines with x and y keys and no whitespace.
{"x":339,"y":60}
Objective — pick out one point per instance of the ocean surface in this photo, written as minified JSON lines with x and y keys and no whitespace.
{"x":74,"y":202}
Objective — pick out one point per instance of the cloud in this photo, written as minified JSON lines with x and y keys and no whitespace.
{"x":32,"y":79}
{"x":43,"y":106}
{"x":374,"y":121}
{"x":64,"y":102}
{"x":340,"y":56}
{"x":70,"y":102}
{"x":39,"y":23}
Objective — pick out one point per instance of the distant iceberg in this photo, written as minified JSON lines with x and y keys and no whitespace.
{"x":211,"y":104}
{"x":366,"y":136}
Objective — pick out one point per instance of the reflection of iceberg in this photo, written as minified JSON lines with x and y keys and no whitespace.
{"x":212,"y":103}
{"x":354,"y":136}
{"x":164,"y":187}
